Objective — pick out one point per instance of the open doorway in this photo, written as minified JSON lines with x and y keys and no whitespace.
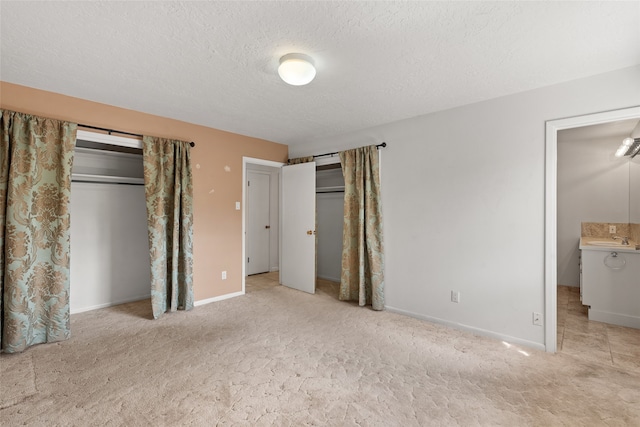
{"x":327,"y":191}
{"x":260,"y":217}
{"x":551,"y":207}
{"x":261,"y":210}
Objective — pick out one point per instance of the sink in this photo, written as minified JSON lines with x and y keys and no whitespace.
{"x":605,"y":243}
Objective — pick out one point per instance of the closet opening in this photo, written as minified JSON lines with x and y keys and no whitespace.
{"x":329,"y":221}
{"x":110,"y":262}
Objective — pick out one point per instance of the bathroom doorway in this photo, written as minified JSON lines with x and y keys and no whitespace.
{"x":551,"y":208}
{"x":594,"y":192}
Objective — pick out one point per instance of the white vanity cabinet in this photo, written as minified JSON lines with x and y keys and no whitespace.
{"x":611,"y":285}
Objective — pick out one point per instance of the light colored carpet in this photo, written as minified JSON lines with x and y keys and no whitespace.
{"x":281,"y":357}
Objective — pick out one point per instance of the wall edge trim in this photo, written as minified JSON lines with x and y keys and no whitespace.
{"x":218,"y":298}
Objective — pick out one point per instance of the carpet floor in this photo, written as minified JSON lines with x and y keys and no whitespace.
{"x":276,"y":356}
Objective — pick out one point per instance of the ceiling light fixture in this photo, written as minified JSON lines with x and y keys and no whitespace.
{"x":296,"y":69}
{"x":629,"y":147}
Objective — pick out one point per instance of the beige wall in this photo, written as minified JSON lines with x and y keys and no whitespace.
{"x":217,"y":225}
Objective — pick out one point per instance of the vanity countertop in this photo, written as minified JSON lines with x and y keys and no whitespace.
{"x":601,"y":244}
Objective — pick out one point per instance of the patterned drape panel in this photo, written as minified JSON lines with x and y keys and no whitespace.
{"x":299,"y":160}
{"x":362,"y":249}
{"x":169,"y":194}
{"x":35,"y":187}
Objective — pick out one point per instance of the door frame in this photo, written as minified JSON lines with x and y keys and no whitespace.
{"x":551,"y":209}
{"x":245,"y":162}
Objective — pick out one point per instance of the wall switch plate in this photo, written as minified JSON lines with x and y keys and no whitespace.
{"x":537,"y":319}
{"x":612,"y":229}
{"x":237,"y":206}
{"x":455,"y":296}
{"x":224,"y":275}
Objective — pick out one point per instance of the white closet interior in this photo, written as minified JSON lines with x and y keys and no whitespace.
{"x":329,"y":217}
{"x":109,"y":242}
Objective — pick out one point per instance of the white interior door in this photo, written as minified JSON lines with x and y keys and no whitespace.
{"x":298,"y":215}
{"x":258,"y":222}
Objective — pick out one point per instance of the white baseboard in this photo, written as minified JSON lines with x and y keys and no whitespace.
{"x":473,"y":330}
{"x":274,"y":269}
{"x":110,"y":304}
{"x":615,"y":318}
{"x":215,"y":299}
{"x":141,"y":297}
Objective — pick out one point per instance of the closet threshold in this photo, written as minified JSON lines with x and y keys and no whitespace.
{"x":106,"y":179}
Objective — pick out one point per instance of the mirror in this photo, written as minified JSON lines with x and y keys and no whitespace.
{"x":594,"y":186}
{"x":634,"y":199}
{"x":599,"y":186}
{"x":634,"y":190}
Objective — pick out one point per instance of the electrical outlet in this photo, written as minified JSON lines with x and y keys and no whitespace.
{"x":612,"y":229}
{"x":224,"y":275}
{"x":537,"y":319}
{"x":455,"y":296}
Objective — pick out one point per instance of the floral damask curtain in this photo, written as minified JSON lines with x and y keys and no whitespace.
{"x":35,"y":187}
{"x":169,"y":195}
{"x":362,"y":247}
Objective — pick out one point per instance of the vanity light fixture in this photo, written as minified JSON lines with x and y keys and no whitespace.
{"x":297,"y":69}
{"x":629,"y":147}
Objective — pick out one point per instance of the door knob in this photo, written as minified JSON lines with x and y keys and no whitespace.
{"x":267,"y":226}
{"x":309,"y":232}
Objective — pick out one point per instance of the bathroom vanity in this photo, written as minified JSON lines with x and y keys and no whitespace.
{"x":610,"y":281}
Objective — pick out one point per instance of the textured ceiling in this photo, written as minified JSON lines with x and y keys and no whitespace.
{"x":214,"y":63}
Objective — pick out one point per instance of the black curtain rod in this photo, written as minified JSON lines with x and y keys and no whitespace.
{"x":110,"y":131}
{"x":384,"y":144}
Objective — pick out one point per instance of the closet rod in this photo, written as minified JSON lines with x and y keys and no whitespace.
{"x":384,"y":144}
{"x":107,"y":179}
{"x":106,"y":182}
{"x":110,"y":131}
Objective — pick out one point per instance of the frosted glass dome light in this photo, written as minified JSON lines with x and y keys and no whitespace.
{"x":296,"y":69}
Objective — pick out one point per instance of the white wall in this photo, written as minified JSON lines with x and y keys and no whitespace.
{"x":109,"y":245}
{"x":593,"y":186}
{"x":463,"y":203}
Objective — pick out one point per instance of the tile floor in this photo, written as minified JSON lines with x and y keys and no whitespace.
{"x":594,"y":341}
{"x":577,"y":336}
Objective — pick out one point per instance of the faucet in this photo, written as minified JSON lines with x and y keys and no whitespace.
{"x":624,"y":240}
